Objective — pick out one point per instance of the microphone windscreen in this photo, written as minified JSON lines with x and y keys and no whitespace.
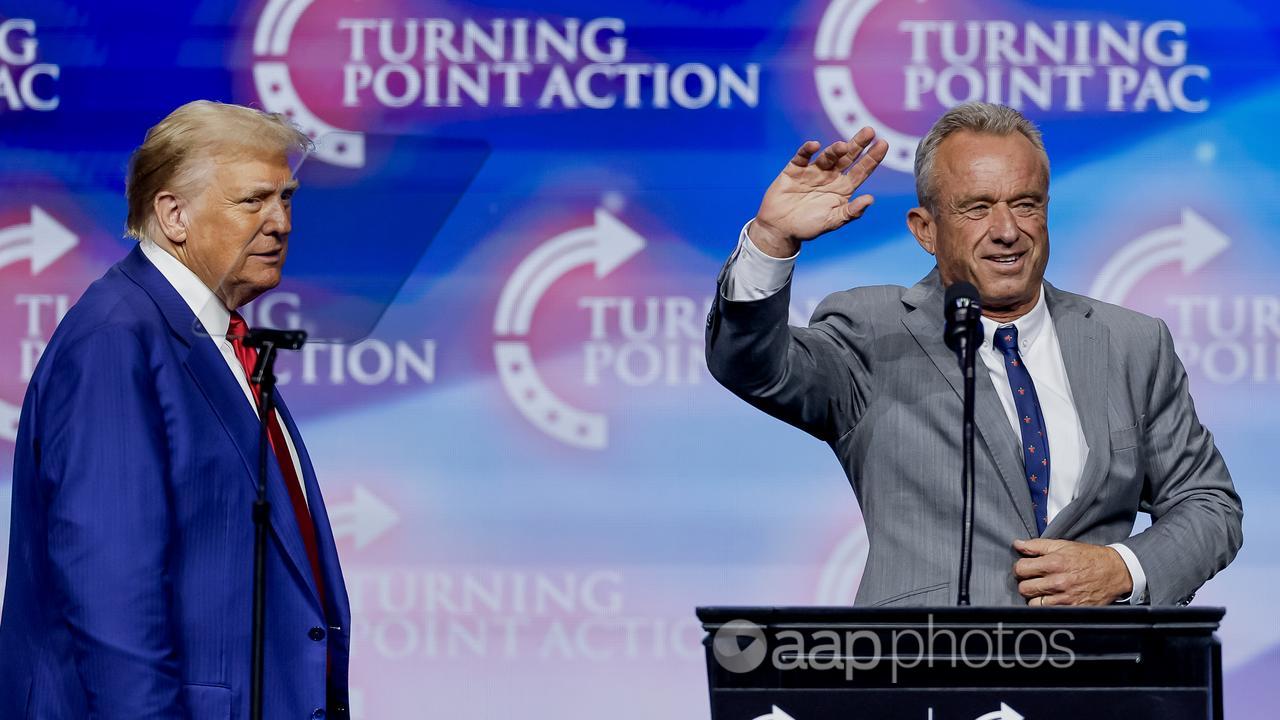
{"x":959,"y":295}
{"x":960,"y":291}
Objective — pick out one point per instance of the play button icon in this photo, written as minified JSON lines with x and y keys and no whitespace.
{"x":739,"y":646}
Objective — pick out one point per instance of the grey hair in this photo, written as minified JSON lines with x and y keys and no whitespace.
{"x":978,"y":117}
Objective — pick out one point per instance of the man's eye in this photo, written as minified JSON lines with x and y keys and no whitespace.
{"x":251,"y":201}
{"x":977,"y":211}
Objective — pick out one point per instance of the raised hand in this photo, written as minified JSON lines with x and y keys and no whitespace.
{"x":811,"y":196}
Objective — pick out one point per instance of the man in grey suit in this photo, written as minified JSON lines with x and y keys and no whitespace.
{"x":1082,"y":409}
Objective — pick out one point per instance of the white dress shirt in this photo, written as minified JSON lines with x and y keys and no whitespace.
{"x":755,"y":275}
{"x":1042,"y":358}
{"x":216,"y":319}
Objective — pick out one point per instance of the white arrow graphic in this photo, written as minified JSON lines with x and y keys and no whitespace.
{"x":542,"y":407}
{"x":604,"y":245}
{"x":776,"y":714}
{"x":42,"y":241}
{"x":365,"y":518}
{"x":833,"y":76}
{"x":275,"y":26}
{"x":1004,"y":713}
{"x":271,"y":37}
{"x":1194,"y":242}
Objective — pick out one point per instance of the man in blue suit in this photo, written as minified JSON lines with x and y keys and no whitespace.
{"x":130,"y":555}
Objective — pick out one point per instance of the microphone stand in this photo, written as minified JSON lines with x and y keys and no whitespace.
{"x":968,"y":351}
{"x":267,"y":341}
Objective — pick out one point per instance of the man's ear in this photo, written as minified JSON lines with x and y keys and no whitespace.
{"x":171,"y":216}
{"x":920,"y":221}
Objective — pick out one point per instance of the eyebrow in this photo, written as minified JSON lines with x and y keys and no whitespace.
{"x":970,"y":199}
{"x":990,"y":200}
{"x":263,"y":190}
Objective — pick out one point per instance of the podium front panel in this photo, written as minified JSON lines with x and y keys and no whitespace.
{"x":964,"y":663}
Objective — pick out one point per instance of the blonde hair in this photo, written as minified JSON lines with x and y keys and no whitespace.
{"x":175,"y":149}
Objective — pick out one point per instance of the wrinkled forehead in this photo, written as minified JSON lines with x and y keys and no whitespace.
{"x":241,"y":167}
{"x":969,"y":162}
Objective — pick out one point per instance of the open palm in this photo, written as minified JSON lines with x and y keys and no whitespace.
{"x":812,"y":196}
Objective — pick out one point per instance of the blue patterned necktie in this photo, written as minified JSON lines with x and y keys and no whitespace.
{"x":1035,"y":435}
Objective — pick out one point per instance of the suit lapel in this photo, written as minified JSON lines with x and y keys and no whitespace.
{"x":1084,"y":343}
{"x":335,"y":588}
{"x":925,"y":325}
{"x":224,"y":394}
{"x":222,"y":391}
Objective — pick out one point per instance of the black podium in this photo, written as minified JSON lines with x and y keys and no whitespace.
{"x":963,"y":663}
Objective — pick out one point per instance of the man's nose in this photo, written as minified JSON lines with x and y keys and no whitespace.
{"x":1004,"y":227}
{"x":279,"y":220}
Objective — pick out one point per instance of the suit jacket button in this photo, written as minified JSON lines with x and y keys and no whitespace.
{"x":317,"y":714}
{"x":316,"y":634}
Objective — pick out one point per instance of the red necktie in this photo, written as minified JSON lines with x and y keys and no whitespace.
{"x":248,"y":356}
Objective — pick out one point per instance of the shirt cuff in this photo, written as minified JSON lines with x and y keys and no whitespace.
{"x":1139,"y":594}
{"x":754,"y":274}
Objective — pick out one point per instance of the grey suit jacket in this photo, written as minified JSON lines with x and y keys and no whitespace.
{"x":872,"y":378}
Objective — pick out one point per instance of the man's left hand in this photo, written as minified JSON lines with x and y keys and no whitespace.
{"x":1062,"y":572}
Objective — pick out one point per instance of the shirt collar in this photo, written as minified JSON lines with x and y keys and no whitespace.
{"x":204,"y":304}
{"x":1029,"y":326}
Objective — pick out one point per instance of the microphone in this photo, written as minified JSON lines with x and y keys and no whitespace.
{"x":962,"y":332}
{"x":280,"y":339}
{"x":962,"y":313}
